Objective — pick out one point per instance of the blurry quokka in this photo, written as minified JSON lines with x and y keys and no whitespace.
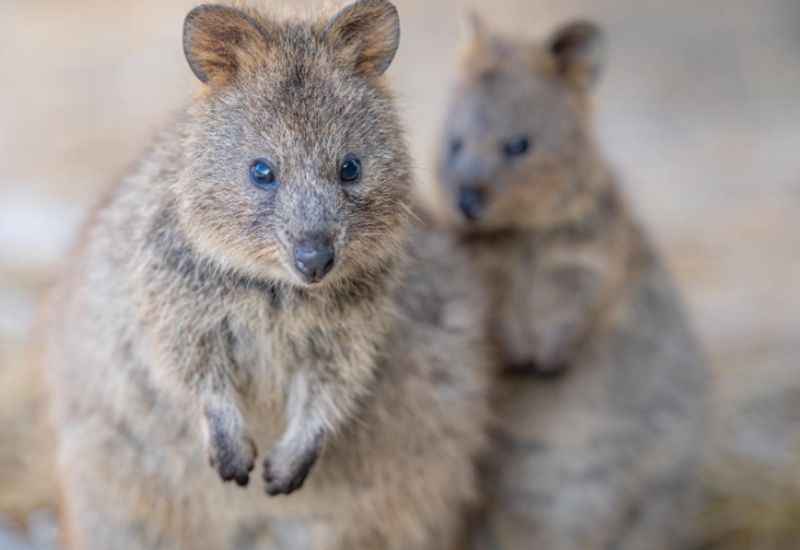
{"x":247,"y":283}
{"x":603,"y":455}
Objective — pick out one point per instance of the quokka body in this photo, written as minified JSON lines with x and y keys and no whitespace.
{"x":600,"y":409}
{"x":252,"y":296}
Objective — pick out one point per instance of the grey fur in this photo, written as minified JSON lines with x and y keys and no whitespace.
{"x":182,"y":334}
{"x":604,"y":455}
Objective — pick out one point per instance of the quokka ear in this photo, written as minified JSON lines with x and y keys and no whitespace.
{"x":365,"y":36}
{"x":579,"y":49}
{"x":474,"y":27}
{"x":220,"y":41}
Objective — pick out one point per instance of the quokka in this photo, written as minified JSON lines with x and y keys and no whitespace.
{"x":602,"y":451}
{"x":252,"y":292}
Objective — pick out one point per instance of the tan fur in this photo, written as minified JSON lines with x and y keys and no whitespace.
{"x":27,"y":474}
{"x":184,"y":332}
{"x":602,"y":451}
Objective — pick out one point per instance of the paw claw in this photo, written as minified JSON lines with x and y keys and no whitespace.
{"x":284,"y":481}
{"x":242,"y":480}
{"x":233,"y":461}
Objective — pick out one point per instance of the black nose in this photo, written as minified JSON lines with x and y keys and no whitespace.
{"x":314,"y":258}
{"x":472,"y":202}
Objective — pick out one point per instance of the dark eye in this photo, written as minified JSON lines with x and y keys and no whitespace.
{"x":350,"y":170}
{"x":517,"y":146}
{"x":262,"y":175}
{"x":456,"y":145}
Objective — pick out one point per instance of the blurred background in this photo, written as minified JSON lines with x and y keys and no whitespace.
{"x":699,"y":111}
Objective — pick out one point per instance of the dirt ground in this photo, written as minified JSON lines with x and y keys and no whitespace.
{"x":699,"y":111}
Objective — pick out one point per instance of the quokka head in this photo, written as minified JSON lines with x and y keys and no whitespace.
{"x":518,"y":126}
{"x":296,"y":167}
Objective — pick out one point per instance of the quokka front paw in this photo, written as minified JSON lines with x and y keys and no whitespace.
{"x":284,"y":475}
{"x":551,"y":351}
{"x":534,"y":368}
{"x":232,"y":458}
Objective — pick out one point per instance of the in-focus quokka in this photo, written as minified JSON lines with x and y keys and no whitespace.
{"x":601,"y":456}
{"x":252,"y":281}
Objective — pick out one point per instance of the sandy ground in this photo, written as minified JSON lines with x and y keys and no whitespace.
{"x":699,"y":111}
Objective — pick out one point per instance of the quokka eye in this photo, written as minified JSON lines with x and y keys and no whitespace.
{"x":262,"y":175}
{"x":517,"y":147}
{"x":456,"y":145}
{"x":350,"y":170}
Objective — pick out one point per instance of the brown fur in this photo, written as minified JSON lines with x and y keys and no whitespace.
{"x":603,"y":455}
{"x":183,"y":334}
